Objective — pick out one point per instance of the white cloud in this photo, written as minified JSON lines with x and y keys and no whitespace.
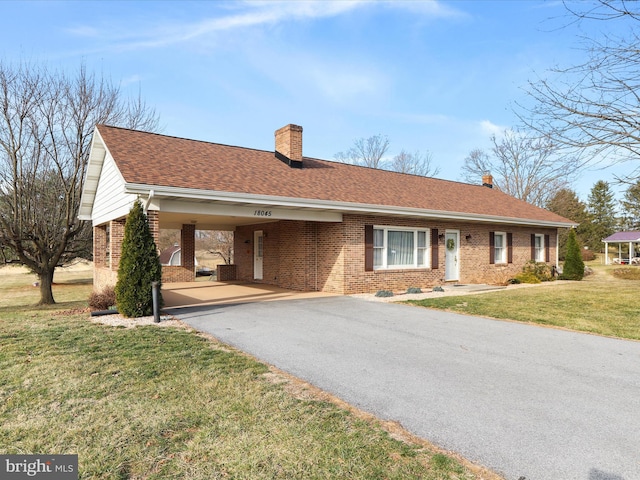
{"x":83,"y":31}
{"x":248,"y":14}
{"x":131,"y":79}
{"x":430,"y":8}
{"x":491,"y":128}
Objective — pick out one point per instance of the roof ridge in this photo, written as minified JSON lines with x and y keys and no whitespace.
{"x":132,"y":130}
{"x":413,"y":175}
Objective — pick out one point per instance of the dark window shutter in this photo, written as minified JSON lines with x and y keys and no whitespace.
{"x":492,"y":247}
{"x":546,"y":248}
{"x":533,"y":246}
{"x":368,"y":248}
{"x":509,"y":247}
{"x":434,"y":248}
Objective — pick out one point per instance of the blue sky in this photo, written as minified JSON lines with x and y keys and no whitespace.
{"x":436,"y":76}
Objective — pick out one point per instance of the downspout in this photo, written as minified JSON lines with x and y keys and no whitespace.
{"x":148,"y":201}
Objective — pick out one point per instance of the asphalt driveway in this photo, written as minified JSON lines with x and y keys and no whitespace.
{"x":525,"y":401}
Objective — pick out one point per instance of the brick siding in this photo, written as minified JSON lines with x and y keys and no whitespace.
{"x":329,"y":257}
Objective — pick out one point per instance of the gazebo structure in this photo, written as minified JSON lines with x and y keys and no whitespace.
{"x":632,"y":238}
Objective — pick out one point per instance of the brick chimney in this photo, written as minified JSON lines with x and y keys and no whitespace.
{"x":487,"y":180}
{"x":289,"y":145}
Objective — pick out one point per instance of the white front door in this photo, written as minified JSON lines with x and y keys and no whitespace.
{"x":452,"y":254}
{"x":258,"y":252}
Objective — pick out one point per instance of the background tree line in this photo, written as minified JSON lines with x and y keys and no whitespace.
{"x":601,"y":215}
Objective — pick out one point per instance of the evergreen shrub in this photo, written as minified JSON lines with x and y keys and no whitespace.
{"x":526,"y":277}
{"x":139,"y":267}
{"x":384,"y":293}
{"x":573,"y":268}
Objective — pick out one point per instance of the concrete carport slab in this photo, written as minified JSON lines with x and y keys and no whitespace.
{"x":189,"y":294}
{"x":527,"y":402}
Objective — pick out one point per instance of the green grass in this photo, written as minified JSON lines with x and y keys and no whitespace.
{"x":601,"y":304}
{"x":156,"y":403}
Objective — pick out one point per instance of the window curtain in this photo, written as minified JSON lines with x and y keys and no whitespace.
{"x":378,"y":247}
{"x":400,"y":248}
{"x":492,"y":247}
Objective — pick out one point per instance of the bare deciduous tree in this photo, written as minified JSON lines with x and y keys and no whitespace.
{"x":416,"y":163}
{"x":369,"y":152}
{"x":46,"y":123}
{"x":527,"y":167}
{"x":222,"y":245}
{"x":592,"y":108}
{"x":366,"y":152}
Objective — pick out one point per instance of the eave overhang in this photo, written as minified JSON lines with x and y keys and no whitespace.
{"x":236,"y":198}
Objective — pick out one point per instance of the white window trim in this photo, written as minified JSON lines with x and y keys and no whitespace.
{"x":415,"y":266}
{"x":540,"y":253}
{"x":502,"y":260}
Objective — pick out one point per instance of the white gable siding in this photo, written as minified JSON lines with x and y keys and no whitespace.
{"x":111,"y":202}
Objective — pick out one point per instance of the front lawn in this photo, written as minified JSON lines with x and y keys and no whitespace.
{"x":601,"y":304}
{"x":166,"y":403}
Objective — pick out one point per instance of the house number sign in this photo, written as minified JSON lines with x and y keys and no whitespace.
{"x":262,"y":213}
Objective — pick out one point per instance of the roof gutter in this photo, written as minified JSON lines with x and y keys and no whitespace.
{"x":342,"y":207}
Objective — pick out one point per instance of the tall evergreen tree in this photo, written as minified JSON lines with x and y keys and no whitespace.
{"x":566,"y":203}
{"x":573,"y":268}
{"x":631,"y":208}
{"x":602,"y":215}
{"x":139,"y":266}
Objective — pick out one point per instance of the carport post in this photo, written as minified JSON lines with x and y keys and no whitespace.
{"x":154,"y":298}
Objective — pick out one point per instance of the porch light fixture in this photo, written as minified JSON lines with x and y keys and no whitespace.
{"x":441,"y":236}
{"x":468,"y":237}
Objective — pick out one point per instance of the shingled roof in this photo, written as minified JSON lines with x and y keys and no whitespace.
{"x":162,"y":161}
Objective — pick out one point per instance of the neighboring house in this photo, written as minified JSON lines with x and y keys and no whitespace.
{"x":309,"y":224}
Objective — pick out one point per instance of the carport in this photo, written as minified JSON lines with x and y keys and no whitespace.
{"x":189,"y":294}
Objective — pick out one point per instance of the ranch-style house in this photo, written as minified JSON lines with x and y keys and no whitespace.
{"x":308,"y":224}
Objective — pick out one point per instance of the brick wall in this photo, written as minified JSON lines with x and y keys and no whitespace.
{"x":226,"y":273}
{"x":116,"y":237}
{"x":100,"y":252}
{"x":188,"y":246}
{"x":318,"y":256}
{"x":107,"y":251}
{"x":357,"y":280}
{"x":154,"y":224}
{"x":177,"y":273}
{"x":104,"y":277}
